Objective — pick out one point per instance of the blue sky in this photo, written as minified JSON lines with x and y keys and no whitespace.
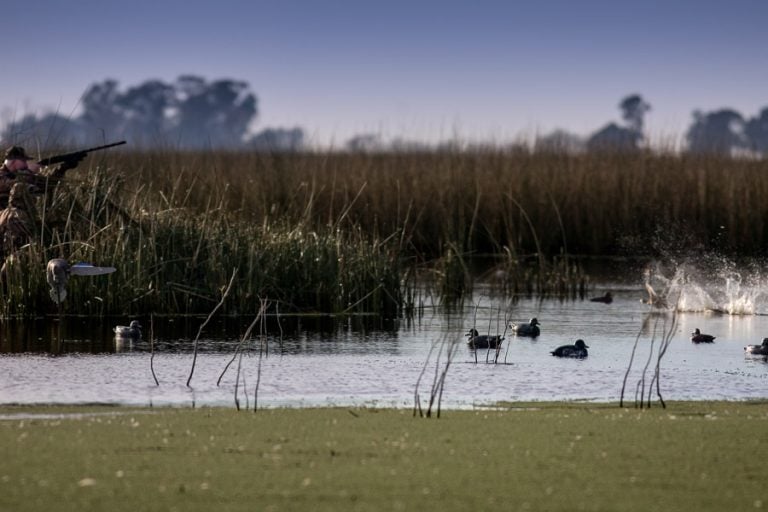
{"x":423,"y":70}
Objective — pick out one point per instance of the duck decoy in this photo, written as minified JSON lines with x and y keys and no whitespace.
{"x":697,"y":337}
{"x":530,"y":329}
{"x":58,"y":271}
{"x":758,"y":350}
{"x":484,"y":341}
{"x":578,"y":350}
{"x":605,"y":299}
{"x":130,"y":331}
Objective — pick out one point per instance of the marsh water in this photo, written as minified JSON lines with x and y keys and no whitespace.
{"x":364,"y":361}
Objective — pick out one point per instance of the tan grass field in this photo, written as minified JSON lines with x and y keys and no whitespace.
{"x":693,"y":456}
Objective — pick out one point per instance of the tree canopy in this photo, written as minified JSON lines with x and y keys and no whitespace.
{"x":190,"y":113}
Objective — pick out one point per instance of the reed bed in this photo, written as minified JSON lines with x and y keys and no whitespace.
{"x":484,"y":201}
{"x":177,"y":260}
{"x":341,"y":233}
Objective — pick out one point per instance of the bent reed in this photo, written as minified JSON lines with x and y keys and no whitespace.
{"x":348,"y":233}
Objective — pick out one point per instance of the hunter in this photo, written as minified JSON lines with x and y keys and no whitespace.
{"x":20,"y":167}
{"x":17,"y":224}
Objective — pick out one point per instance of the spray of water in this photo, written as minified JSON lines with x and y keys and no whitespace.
{"x":700,"y":286}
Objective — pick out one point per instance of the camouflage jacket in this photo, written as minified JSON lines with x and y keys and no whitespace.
{"x":16,"y":220}
{"x":34,"y":180}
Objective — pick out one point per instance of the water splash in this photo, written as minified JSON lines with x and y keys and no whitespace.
{"x":696,"y":287}
{"x":740,"y":300}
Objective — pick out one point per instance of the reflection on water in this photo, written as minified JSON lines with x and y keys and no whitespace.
{"x":365,"y":361}
{"x":287,"y":334}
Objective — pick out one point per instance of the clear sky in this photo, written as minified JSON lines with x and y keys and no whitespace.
{"x":421,"y":70}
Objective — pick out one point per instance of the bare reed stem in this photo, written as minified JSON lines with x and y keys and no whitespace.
{"x":152,"y":348}
{"x":208,"y":319}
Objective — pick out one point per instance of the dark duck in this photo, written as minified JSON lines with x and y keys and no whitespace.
{"x":485,"y":341}
{"x":697,"y":337}
{"x":758,"y":350}
{"x":530,"y":329}
{"x":578,"y":350}
{"x":605,"y":299}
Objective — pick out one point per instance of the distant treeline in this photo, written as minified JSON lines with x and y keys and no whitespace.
{"x":193,"y":113}
{"x":719,"y":132}
{"x":190,"y":113}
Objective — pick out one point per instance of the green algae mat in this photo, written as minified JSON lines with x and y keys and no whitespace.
{"x":690,"y":456}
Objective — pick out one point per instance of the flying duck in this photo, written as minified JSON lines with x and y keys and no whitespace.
{"x":58,"y":271}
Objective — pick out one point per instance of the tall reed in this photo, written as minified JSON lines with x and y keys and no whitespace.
{"x":483,"y":201}
{"x":175,"y":259}
{"x":341,"y":233}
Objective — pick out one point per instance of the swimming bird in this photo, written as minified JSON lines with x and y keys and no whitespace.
{"x":758,"y":350}
{"x":58,"y":271}
{"x":578,"y":350}
{"x":530,"y":329}
{"x":484,"y":341}
{"x":131,"y":331}
{"x":697,"y":337}
{"x":605,"y":299}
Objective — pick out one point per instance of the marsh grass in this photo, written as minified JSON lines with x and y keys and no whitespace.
{"x":482,"y":201}
{"x":697,"y":456}
{"x":345,"y":233}
{"x":175,"y":259}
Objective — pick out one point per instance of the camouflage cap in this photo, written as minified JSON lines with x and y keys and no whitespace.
{"x":17,"y":153}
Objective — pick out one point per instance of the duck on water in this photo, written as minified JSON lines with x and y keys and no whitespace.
{"x":483,"y":341}
{"x":758,"y":350}
{"x":128,"y":331}
{"x":577,"y":350}
{"x":605,"y":299}
{"x":698,"y":337}
{"x":530,"y":329}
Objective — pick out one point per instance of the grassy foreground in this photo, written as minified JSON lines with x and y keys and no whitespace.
{"x":692,"y":456}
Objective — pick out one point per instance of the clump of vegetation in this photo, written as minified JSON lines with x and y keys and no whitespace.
{"x":352,"y":232}
{"x":177,"y":259}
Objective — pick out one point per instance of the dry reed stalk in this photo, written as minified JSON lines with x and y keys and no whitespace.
{"x":152,"y":348}
{"x":643,"y":327}
{"x":237,"y":381}
{"x":665,"y":342}
{"x":262,"y":341}
{"x":640,"y":387}
{"x":208,"y":319}
{"x":667,"y":334}
{"x":246,"y":337}
{"x":437,"y":390}
{"x":416,"y":396}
